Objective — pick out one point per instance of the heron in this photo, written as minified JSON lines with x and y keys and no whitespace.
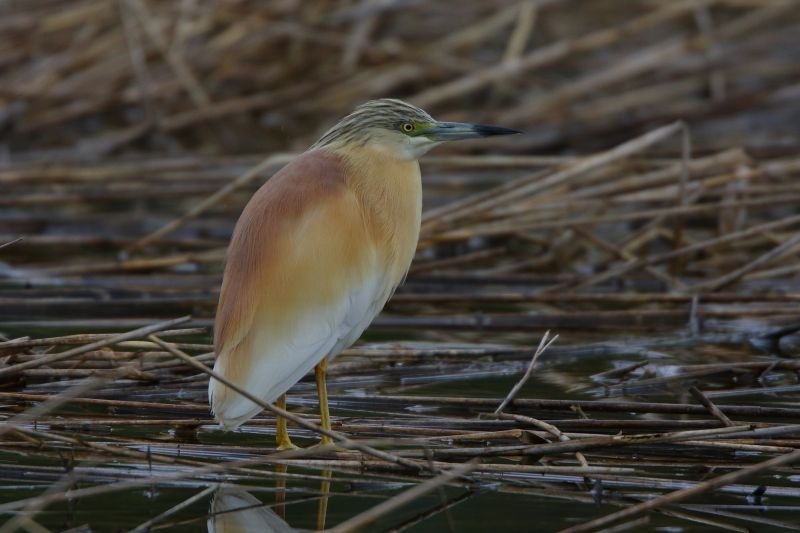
{"x":317,"y":252}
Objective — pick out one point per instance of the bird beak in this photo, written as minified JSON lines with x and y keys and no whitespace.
{"x":453,"y":131}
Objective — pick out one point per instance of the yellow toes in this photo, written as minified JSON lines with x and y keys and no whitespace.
{"x":287,"y":445}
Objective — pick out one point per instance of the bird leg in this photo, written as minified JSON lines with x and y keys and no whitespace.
{"x":322,"y":392}
{"x":325,"y":490}
{"x":282,"y":435}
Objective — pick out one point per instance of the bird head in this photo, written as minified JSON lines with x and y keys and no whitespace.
{"x":400,"y":128}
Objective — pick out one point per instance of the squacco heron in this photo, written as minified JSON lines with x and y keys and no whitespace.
{"x":317,"y":252}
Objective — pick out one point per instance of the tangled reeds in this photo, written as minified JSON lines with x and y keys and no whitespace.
{"x":650,"y":218}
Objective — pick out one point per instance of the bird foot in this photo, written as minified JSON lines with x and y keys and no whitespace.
{"x":288,"y":445}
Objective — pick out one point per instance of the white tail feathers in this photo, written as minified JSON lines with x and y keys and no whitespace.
{"x":230,"y":408}
{"x":272,"y":361}
{"x":277,"y":364}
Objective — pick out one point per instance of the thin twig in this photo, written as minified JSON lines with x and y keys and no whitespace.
{"x":145,"y":526}
{"x":544,"y":344}
{"x":374,"y":513}
{"x":210,"y":201}
{"x":52,"y":358}
{"x":9,"y":243}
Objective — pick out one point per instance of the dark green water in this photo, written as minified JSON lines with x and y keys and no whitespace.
{"x":528,"y":503}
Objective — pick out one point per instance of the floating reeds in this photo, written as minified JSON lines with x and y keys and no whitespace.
{"x":649,"y":218}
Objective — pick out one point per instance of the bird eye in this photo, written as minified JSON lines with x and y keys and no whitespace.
{"x":407,"y":127}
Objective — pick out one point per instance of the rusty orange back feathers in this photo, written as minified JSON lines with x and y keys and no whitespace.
{"x":262,"y":230}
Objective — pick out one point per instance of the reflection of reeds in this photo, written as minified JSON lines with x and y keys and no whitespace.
{"x":649,"y":217}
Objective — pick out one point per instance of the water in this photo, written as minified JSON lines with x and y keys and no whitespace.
{"x":523,"y":503}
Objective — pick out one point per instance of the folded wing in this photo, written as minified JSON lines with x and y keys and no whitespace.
{"x":303,"y":281}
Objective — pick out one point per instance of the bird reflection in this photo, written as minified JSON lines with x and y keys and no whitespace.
{"x":322,"y":509}
{"x":251,"y":515}
{"x":234,"y":510}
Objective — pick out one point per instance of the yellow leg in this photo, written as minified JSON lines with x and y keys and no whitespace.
{"x":280,"y":490}
{"x":282,"y":435}
{"x":322,"y":508}
{"x":322,"y":391}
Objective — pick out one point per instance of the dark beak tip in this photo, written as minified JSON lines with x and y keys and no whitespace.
{"x":488,"y":131}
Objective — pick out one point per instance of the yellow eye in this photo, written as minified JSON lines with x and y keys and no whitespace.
{"x":408,"y":128}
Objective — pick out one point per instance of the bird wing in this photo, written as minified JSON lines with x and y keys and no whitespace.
{"x":303,"y":281}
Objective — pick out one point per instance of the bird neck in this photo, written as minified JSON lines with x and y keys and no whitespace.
{"x":389,"y":189}
{"x":381,"y":178}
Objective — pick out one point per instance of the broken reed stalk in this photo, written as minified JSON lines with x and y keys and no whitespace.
{"x":708,"y":404}
{"x":24,"y":519}
{"x":595,"y":406}
{"x":60,"y":356}
{"x":537,"y":184}
{"x":374,"y":513}
{"x":87,"y":492}
{"x":54,"y":402}
{"x":147,"y":525}
{"x":579,"y":445}
{"x":689,"y":249}
{"x":9,"y":243}
{"x":210,"y":201}
{"x":550,"y":428}
{"x":544,"y":344}
{"x":26,"y":342}
{"x":730,"y":277}
{"x":677,"y":496}
{"x":545,"y":55}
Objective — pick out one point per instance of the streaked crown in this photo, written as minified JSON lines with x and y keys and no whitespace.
{"x":386,"y":113}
